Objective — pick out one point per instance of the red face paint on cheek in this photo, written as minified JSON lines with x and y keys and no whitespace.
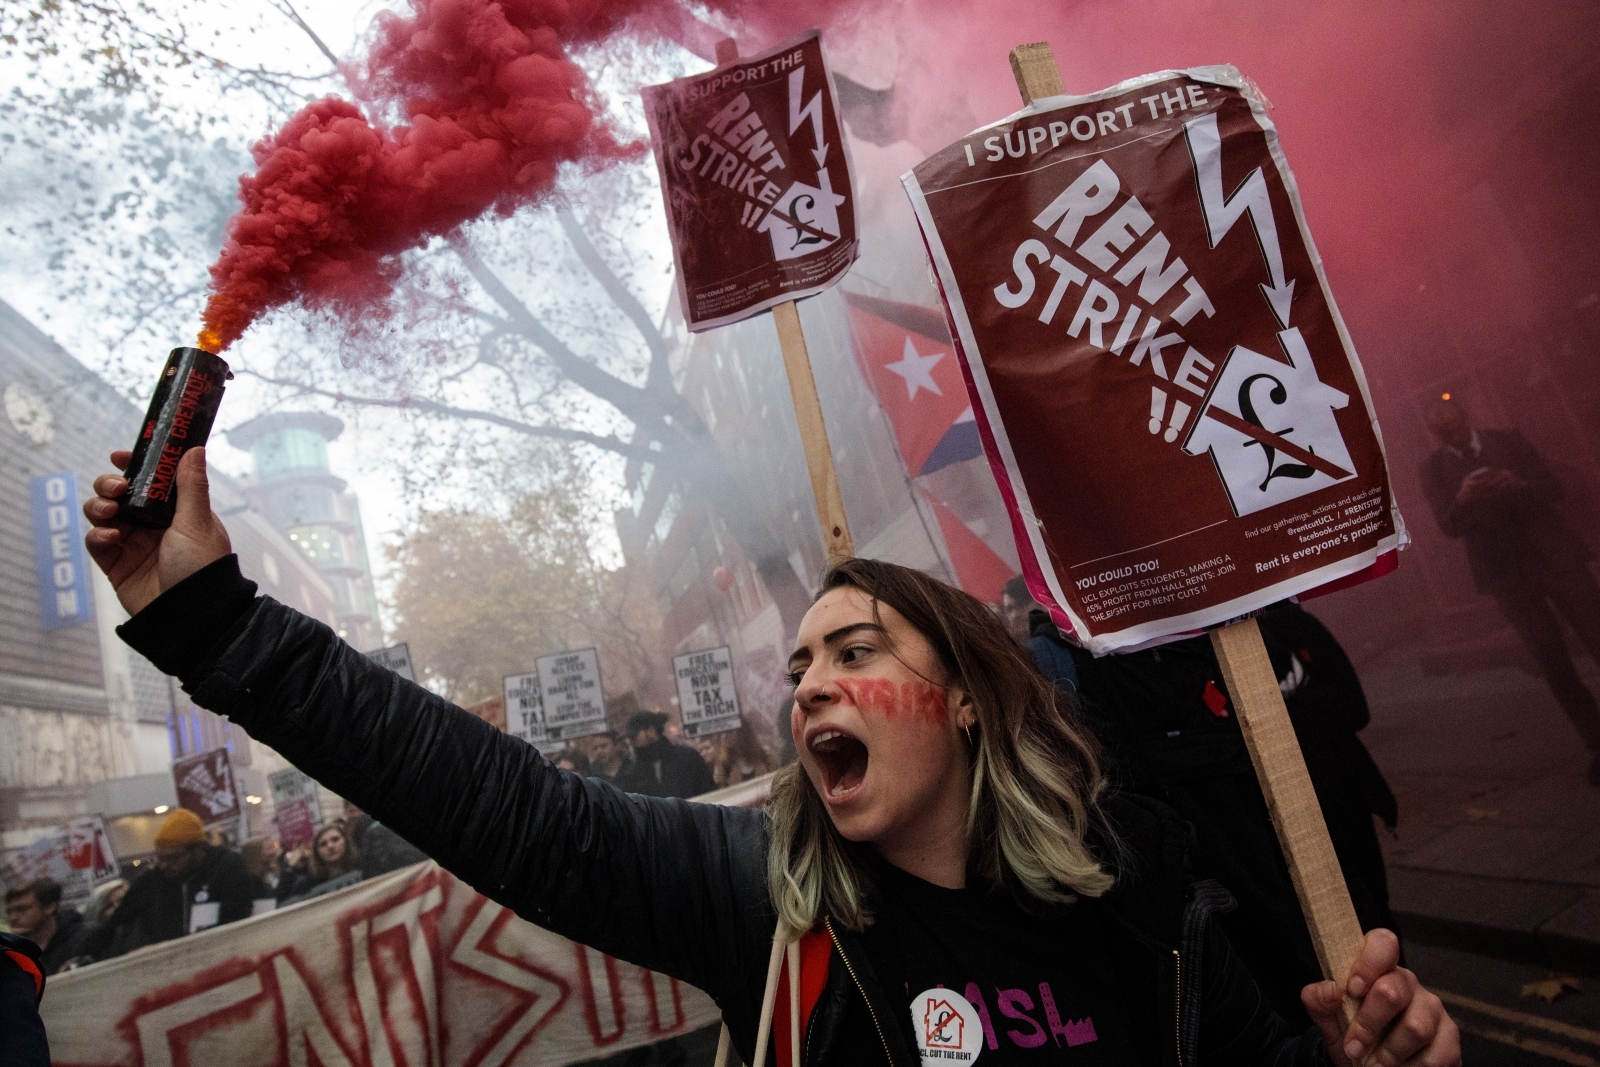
{"x":917,"y":699}
{"x":872,"y":695}
{"x":924,"y":701}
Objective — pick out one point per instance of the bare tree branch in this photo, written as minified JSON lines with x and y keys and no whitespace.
{"x":610,"y":443}
{"x":287,"y":9}
{"x":637,"y":404}
{"x":660,"y":375}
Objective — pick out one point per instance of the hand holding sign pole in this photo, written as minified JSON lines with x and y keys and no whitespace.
{"x":1246,"y":668}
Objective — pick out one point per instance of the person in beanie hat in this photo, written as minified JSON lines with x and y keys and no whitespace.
{"x":661,"y":768}
{"x":193,"y":886}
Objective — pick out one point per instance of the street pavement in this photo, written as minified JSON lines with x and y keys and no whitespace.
{"x":1501,"y":1027}
{"x":1498,"y":847}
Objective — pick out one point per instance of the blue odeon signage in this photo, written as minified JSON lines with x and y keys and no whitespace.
{"x":64,"y":596}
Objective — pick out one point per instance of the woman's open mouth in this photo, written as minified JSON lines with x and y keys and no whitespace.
{"x":842,"y":759}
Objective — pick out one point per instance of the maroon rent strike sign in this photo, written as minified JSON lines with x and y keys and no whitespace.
{"x":206,"y":786}
{"x":756,"y":176}
{"x":1164,"y":387}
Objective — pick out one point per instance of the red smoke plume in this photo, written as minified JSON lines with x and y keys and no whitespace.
{"x":493,"y":106}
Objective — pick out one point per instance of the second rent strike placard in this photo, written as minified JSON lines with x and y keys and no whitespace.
{"x":1168,"y":397}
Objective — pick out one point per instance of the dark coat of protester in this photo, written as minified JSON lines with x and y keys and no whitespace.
{"x":381,"y":849}
{"x":678,"y":888}
{"x":157,"y":908}
{"x":67,"y":941}
{"x":1507,"y":537}
{"x":663,"y":769}
{"x":23,"y":1042}
{"x":1169,"y":732}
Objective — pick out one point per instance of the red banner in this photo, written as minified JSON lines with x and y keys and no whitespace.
{"x":1165,"y":390}
{"x":756,"y":176}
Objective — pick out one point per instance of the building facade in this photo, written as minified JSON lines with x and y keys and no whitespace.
{"x":87,"y":726}
{"x":295,"y":491}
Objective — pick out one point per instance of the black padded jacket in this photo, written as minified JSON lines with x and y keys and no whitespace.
{"x":670,"y":885}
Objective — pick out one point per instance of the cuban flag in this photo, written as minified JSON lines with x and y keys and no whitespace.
{"x":905,"y":355}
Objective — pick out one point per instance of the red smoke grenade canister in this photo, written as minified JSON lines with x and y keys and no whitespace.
{"x":179,"y":419}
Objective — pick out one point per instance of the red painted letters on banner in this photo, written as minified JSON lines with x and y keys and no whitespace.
{"x":412,"y":968}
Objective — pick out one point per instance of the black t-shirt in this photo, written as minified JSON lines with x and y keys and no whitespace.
{"x":979,"y":975}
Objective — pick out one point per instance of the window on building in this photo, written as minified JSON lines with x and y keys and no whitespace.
{"x":291,"y":449}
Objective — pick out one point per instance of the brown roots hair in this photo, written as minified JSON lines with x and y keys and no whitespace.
{"x":1035,"y":776}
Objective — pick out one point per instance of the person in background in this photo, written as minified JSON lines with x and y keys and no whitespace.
{"x":333,"y":854}
{"x":192,"y":887}
{"x":294,"y":878}
{"x":1016,"y":603}
{"x":608,"y":756}
{"x":1493,"y":491}
{"x":738,"y":757}
{"x":661,"y":768}
{"x":1031,"y":624}
{"x":380,"y":848}
{"x":571,"y":759}
{"x":1168,"y":730}
{"x":35,"y":912}
{"x":260,"y":855}
{"x":23,"y":1041}
{"x":104,"y":901}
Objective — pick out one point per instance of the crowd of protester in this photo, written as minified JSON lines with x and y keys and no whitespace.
{"x":1162,"y":718}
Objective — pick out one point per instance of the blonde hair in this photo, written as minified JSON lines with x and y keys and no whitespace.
{"x":1035,"y":777}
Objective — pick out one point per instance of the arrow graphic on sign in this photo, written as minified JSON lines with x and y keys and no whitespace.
{"x":812,"y":109}
{"x":1221,"y":212}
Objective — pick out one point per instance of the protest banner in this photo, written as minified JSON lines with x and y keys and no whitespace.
{"x":707,"y":699}
{"x":740,"y":248}
{"x":756,"y":176}
{"x":78,"y":856}
{"x":396,"y":657}
{"x":1168,"y":397}
{"x":410,"y":968}
{"x":525,"y":709}
{"x":206,"y":786}
{"x":297,"y":809}
{"x":569,"y":690}
{"x":1159,"y":482}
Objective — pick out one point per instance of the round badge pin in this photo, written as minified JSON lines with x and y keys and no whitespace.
{"x":947,"y":1027}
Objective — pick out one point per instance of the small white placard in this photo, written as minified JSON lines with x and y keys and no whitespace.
{"x":574,"y":705}
{"x":706,"y":696}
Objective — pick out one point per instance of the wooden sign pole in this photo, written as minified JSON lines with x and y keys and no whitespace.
{"x":1268,"y":734}
{"x":807,"y":408}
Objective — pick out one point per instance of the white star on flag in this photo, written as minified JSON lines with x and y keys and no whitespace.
{"x":917,"y":371}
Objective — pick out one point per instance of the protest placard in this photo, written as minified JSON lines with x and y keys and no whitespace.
{"x":1168,"y":397}
{"x":297,"y":809}
{"x":78,"y":856}
{"x":569,"y":686}
{"x":396,"y":657}
{"x":1124,"y":195}
{"x":525,"y":709}
{"x":706,"y":697}
{"x":756,"y":176}
{"x":206,"y":786}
